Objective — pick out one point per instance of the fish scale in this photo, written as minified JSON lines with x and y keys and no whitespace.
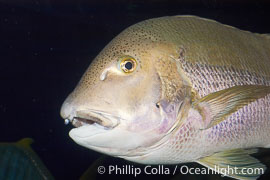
{"x":254,"y":115}
{"x":218,"y":78}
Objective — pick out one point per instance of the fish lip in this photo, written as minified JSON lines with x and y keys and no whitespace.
{"x":90,"y":116}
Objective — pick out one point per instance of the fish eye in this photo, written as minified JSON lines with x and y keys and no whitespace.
{"x":128,"y":64}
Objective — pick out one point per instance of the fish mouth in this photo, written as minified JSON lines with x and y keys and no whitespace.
{"x":94,"y":117}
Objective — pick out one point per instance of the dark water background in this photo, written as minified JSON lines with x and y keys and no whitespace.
{"x":45,"y":46}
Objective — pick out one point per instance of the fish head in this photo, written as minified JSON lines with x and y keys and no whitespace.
{"x":114,"y":106}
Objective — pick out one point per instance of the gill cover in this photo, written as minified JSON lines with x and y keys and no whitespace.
{"x":176,"y":96}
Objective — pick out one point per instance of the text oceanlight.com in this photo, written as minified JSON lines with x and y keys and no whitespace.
{"x":162,"y":170}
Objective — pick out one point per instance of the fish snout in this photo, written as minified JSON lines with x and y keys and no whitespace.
{"x":67,"y":111}
{"x":80,"y":114}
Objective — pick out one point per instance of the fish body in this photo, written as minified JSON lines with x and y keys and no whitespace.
{"x":176,"y":89}
{"x":19,"y":161}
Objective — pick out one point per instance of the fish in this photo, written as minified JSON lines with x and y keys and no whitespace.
{"x":177,"y":89}
{"x":19,"y":161}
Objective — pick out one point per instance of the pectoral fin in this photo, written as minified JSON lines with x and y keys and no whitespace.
{"x":235,"y":163}
{"x":216,"y":106}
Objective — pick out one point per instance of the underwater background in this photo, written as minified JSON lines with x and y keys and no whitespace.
{"x":46,"y":46}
